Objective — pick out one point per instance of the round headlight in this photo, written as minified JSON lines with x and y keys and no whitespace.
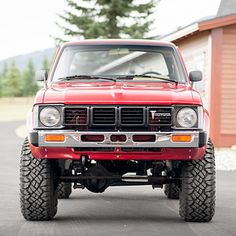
{"x":186,"y":117}
{"x":49,"y":116}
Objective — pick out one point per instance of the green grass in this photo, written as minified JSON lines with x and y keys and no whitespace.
{"x":15,"y":109}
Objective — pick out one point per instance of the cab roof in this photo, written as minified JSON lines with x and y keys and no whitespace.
{"x":120,"y":41}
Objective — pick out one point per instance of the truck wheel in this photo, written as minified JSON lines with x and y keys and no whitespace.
{"x":38,"y":194}
{"x":197,"y":192}
{"x":171,"y":191}
{"x":64,"y":190}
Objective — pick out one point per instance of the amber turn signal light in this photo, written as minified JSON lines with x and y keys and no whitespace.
{"x":181,"y":138}
{"x":54,"y":138}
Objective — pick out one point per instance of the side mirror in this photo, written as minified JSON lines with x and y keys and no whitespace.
{"x":41,"y":75}
{"x":195,"y":76}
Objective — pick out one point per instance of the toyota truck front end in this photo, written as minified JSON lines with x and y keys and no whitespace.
{"x":118,"y":113}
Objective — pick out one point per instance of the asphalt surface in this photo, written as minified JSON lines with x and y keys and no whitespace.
{"x":118,"y":211}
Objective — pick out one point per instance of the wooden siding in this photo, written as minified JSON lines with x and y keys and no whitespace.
{"x":196,"y":53}
{"x":216,"y":63}
{"x":214,"y":52}
{"x":228,"y":95}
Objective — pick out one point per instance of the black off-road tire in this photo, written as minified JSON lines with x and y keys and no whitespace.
{"x":171,"y":191}
{"x":197,"y":192}
{"x":64,"y":190}
{"x":38,"y":193}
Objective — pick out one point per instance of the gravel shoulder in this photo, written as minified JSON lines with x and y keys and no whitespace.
{"x":15,"y":109}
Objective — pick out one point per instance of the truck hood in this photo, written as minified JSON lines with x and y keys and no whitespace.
{"x":134,"y":93}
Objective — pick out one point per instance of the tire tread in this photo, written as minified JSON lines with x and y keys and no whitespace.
{"x":197,"y":194}
{"x":37,"y":196}
{"x":64,"y":190}
{"x":172,"y":191}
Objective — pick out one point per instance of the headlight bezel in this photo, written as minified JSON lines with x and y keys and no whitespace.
{"x":199,"y":112}
{"x":37,"y":110}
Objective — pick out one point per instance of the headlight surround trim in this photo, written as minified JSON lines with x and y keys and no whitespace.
{"x":38,"y":108}
{"x":198,"y":124}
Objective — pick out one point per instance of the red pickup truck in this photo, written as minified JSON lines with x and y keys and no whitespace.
{"x":118,"y":113}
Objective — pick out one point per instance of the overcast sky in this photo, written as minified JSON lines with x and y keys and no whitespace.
{"x":26,"y":25}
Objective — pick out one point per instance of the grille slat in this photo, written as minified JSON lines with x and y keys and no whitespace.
{"x":132,"y":116}
{"x":103,"y":116}
{"x":76,"y":116}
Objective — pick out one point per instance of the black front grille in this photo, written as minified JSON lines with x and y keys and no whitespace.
{"x":132,"y":116}
{"x":123,"y":118}
{"x":76,"y":116}
{"x":103,"y":116}
{"x":160,"y":116}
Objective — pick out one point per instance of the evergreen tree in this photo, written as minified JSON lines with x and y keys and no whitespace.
{"x":108,"y":18}
{"x":2,"y":76}
{"x":29,"y":84}
{"x":46,"y":65}
{"x":11,"y":83}
{"x":4,"y":71}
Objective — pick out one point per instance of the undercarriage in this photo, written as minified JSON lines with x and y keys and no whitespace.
{"x":96,"y":176}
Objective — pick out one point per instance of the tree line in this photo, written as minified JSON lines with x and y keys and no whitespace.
{"x":85,"y":19}
{"x":14,"y":83}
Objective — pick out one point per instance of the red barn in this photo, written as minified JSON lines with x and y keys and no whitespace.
{"x":210,"y":45}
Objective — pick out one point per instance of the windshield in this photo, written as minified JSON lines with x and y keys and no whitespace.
{"x":148,"y":63}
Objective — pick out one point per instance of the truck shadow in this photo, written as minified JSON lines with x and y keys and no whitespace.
{"x":119,"y":207}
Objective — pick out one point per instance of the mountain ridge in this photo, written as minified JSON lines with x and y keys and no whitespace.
{"x":36,"y":56}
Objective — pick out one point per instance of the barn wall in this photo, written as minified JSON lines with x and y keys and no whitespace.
{"x":216,"y":89}
{"x":214,"y":52}
{"x":228,"y":84}
{"x":196,"y":51}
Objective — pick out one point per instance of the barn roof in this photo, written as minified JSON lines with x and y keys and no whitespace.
{"x":226,"y":15}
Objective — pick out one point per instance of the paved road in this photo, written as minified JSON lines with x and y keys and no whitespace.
{"x":118,"y":211}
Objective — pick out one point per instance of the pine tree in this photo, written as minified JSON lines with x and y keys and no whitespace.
{"x":108,"y":18}
{"x":11,"y":83}
{"x":2,"y":76}
{"x":46,"y":65}
{"x":5,"y":69}
{"x":29,"y":84}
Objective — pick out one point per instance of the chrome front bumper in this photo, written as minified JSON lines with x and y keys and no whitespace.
{"x":73,"y":139}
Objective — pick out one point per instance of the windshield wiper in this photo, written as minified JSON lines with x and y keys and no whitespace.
{"x":146,"y":76}
{"x":72,"y":77}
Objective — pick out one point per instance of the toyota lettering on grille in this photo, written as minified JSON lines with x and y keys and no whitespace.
{"x":155,"y":114}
